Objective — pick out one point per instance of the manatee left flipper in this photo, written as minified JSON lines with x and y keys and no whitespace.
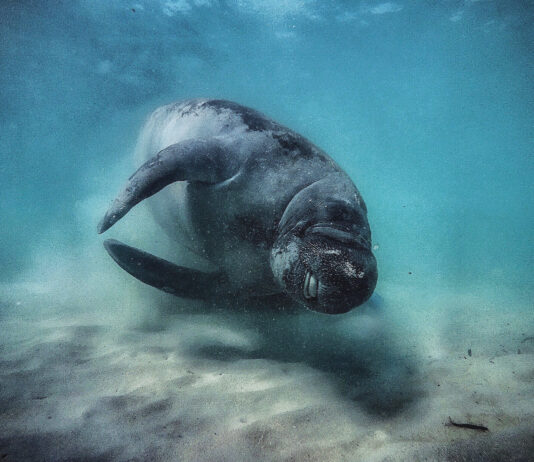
{"x":195,"y":160}
{"x":164,"y":275}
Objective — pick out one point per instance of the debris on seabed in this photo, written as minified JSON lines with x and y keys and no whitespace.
{"x":481,"y":428}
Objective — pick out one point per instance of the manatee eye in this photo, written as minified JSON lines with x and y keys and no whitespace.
{"x":311,"y":286}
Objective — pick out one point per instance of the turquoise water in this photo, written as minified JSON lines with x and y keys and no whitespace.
{"x":429,"y":106}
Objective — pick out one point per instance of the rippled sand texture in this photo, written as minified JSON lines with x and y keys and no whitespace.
{"x":216,"y":387}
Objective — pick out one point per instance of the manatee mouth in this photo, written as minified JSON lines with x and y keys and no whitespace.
{"x":311,"y":286}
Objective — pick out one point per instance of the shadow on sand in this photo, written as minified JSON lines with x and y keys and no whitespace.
{"x":359,"y":350}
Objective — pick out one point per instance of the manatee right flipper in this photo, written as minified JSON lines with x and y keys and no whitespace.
{"x":164,"y":275}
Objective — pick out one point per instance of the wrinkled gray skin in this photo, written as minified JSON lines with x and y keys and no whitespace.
{"x":270,"y":210}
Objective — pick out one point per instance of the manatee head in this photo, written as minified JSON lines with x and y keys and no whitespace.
{"x":325,"y":267}
{"x":322,"y":255}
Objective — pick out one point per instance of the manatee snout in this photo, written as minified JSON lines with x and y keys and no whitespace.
{"x":326,"y":276}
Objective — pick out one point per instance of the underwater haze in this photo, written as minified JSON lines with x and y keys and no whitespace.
{"x":428,"y":106}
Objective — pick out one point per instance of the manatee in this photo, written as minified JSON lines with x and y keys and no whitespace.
{"x":265,"y":206}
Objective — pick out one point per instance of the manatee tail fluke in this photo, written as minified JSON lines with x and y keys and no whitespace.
{"x":191,"y":160}
{"x":164,"y":275}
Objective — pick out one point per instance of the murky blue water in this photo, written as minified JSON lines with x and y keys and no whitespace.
{"x":429,"y":106}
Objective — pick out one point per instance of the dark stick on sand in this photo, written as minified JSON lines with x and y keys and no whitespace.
{"x":468,"y":425}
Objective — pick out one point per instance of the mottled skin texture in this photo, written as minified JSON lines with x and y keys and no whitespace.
{"x":264,"y":205}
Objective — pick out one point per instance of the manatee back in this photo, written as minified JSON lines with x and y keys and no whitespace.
{"x":189,"y":119}
{"x":171,"y":124}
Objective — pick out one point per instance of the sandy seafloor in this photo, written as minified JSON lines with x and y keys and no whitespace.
{"x":92,"y":373}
